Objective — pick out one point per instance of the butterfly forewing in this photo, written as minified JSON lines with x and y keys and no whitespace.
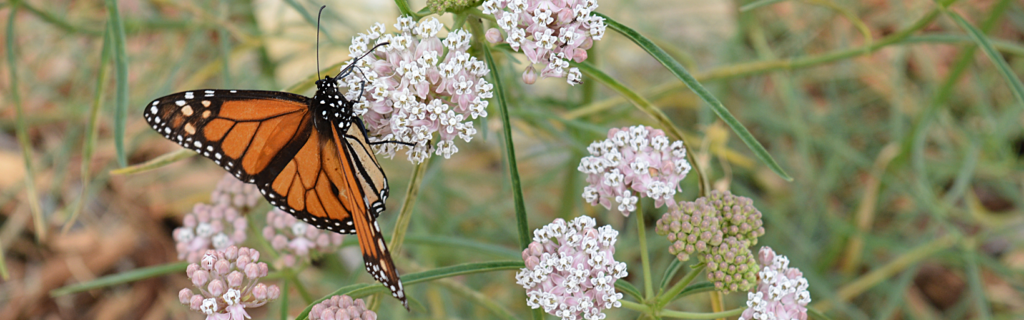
{"x":243,"y":131}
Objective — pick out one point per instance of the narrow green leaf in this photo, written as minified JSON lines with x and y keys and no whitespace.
{"x":817,"y":315}
{"x":121,"y":65}
{"x":4,"y":274}
{"x":670,"y":272}
{"x":362,"y":290}
{"x":517,"y":187}
{"x":629,"y":289}
{"x":284,"y":300}
{"x":92,"y":128}
{"x":123,"y":277}
{"x":21,"y":131}
{"x":986,"y":46}
{"x":162,"y":160}
{"x":478,"y":298}
{"x":680,"y":72}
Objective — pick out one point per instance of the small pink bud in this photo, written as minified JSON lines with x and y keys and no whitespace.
{"x":184,"y":296}
{"x":264,"y":269}
{"x":493,"y":36}
{"x":189,"y":221}
{"x":532,"y":262}
{"x":216,"y":287}
{"x":252,"y":271}
{"x":260,"y":291}
{"x":200,"y":277}
{"x":273,"y":292}
{"x":191,"y":269}
{"x":279,"y":242}
{"x":254,"y":254}
{"x":196,"y":302}
{"x":530,"y":75}
{"x":235,"y":279}
{"x":368,"y":315}
{"x":243,"y":261}
{"x":222,"y":266}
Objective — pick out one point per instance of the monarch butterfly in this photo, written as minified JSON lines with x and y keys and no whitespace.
{"x":308,"y":156}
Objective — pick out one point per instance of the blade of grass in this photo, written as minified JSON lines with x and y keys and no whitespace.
{"x":680,"y":72}
{"x":121,"y":65}
{"x":3,"y":265}
{"x":517,"y":188}
{"x":982,"y":40}
{"x":123,"y":277}
{"x":477,"y":297}
{"x":758,"y":4}
{"x":162,"y":160}
{"x":976,"y":284}
{"x":92,"y":129}
{"x":362,"y":289}
{"x":21,"y":131}
{"x":646,"y":107}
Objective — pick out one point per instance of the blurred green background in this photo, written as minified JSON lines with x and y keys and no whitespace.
{"x":903,"y":138}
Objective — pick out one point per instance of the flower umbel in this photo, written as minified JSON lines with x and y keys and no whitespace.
{"x":633,"y":162}
{"x":233,"y":192}
{"x":228,"y":282}
{"x":417,"y":86}
{"x":550,"y":33}
{"x":341,"y":307}
{"x":719,"y":230}
{"x":208,"y":227}
{"x":781,"y":291}
{"x":295,"y":239}
{"x":570,"y":269}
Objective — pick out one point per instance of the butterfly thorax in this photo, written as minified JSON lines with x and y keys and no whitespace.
{"x":330,"y":106}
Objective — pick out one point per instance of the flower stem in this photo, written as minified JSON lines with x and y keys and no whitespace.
{"x":699,"y":315}
{"x":644,"y":259}
{"x":672,"y":292}
{"x":642,"y":308}
{"x":717,"y":304}
{"x":405,"y":214}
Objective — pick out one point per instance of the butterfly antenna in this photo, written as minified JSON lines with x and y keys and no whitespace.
{"x":348,"y":69}
{"x":318,"y":40}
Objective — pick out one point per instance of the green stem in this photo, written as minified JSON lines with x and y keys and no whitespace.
{"x":674,"y":291}
{"x":405,"y":214}
{"x":642,"y":308}
{"x":701,"y":315}
{"x":21,"y":131}
{"x":644,"y":259}
{"x":403,"y":7}
{"x":121,"y":96}
{"x":290,"y":275}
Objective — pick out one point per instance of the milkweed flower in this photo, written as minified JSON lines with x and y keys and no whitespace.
{"x":550,"y":33}
{"x":233,"y":192}
{"x":341,"y":307}
{"x":570,"y":269}
{"x":416,"y":86}
{"x":208,"y":227}
{"x":295,"y":239}
{"x":633,"y":162}
{"x":781,"y":291}
{"x":731,"y":266}
{"x":228,"y":282}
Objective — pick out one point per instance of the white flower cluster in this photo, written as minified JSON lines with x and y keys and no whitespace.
{"x":781,"y":292}
{"x":549,"y":32}
{"x":570,"y":270}
{"x":416,"y":86}
{"x":636,"y":159}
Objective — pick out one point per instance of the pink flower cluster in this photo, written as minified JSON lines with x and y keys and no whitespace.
{"x":233,"y":192}
{"x":341,"y":308}
{"x":633,"y":162}
{"x":208,"y":226}
{"x":781,"y":292}
{"x":570,"y":270}
{"x":295,"y":239}
{"x":416,"y":86}
{"x":549,"y":33}
{"x":228,"y":282}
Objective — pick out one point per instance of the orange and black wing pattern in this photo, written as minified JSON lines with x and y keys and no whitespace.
{"x":248,"y":133}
